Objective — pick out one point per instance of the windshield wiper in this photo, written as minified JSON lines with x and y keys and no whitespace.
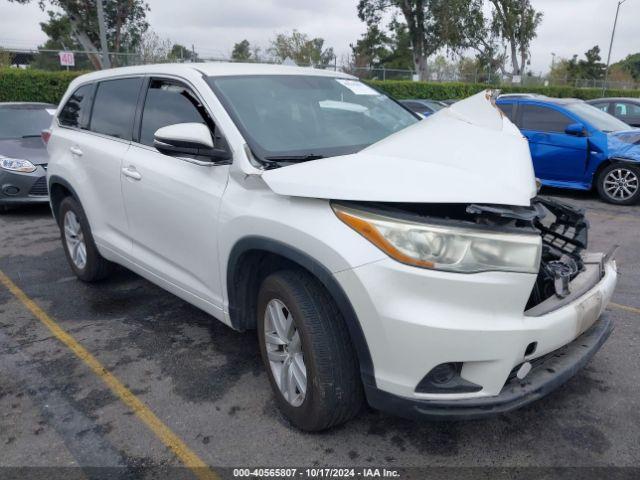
{"x":294,"y":158}
{"x":31,"y":136}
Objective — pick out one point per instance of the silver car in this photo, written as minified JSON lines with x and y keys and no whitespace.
{"x":23,"y":154}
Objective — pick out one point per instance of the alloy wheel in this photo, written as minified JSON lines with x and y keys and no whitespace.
{"x":621,"y":184}
{"x":74,"y":238}
{"x":284,"y":351}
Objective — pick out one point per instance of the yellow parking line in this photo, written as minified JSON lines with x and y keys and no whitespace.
{"x":199,"y":468}
{"x":625,"y":307}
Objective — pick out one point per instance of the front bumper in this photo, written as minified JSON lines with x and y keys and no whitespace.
{"x":23,"y":188}
{"x":415,"y":319}
{"x":548,"y":373}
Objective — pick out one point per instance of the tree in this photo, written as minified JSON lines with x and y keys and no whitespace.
{"x":377,"y":48}
{"x":592,"y":67}
{"x":301,"y":49}
{"x":631,"y":64}
{"x":372,"y":48}
{"x":241,"y":51}
{"x":180,"y":53}
{"x":431,"y":24}
{"x":516,"y":21}
{"x":153,"y":49}
{"x":562,"y":71}
{"x":618,"y":74}
{"x":6,"y":59}
{"x":75,"y":23}
{"x":401,"y":55}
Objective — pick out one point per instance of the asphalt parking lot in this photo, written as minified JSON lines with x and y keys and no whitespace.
{"x":205,"y":383}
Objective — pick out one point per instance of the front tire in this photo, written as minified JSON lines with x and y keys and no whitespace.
{"x":306,"y":349}
{"x":619,"y":183}
{"x":79,"y":246}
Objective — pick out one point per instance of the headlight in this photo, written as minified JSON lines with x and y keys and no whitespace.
{"x":17,"y":165}
{"x":440,"y":247}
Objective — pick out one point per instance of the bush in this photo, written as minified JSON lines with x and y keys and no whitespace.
{"x":443,"y":91}
{"x":17,"y":85}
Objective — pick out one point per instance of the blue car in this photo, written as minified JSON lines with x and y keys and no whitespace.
{"x":575,"y":145}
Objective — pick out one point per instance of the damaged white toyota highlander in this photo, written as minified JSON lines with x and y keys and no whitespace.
{"x":379,"y":256}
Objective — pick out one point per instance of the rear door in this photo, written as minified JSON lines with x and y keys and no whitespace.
{"x":95,"y":127}
{"x":172,"y":204}
{"x":556,"y":156}
{"x":101,"y":153}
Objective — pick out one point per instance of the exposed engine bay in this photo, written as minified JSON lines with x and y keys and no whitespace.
{"x":564,"y":230}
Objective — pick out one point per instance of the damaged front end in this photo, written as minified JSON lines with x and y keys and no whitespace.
{"x":564,"y":231}
{"x":564,"y":269}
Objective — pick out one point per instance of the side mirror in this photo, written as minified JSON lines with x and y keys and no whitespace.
{"x":190,"y":140}
{"x":575,"y":129}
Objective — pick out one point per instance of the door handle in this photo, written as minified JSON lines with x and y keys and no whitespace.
{"x":75,"y":151}
{"x":132,"y":173}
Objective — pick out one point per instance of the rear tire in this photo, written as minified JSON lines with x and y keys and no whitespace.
{"x":619,"y":183}
{"x":79,"y":246}
{"x":318,"y":344}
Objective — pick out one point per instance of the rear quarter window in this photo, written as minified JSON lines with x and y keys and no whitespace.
{"x":114,"y":107}
{"x":79,"y":102}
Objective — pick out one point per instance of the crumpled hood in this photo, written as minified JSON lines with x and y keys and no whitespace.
{"x":466,"y":153}
{"x":30,"y":148}
{"x":624,"y":145}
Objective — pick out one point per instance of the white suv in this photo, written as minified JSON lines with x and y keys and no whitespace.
{"x":379,"y":256}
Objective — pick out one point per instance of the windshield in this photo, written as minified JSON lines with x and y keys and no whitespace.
{"x":304,"y":117}
{"x":597,"y":118}
{"x":21,"y":121}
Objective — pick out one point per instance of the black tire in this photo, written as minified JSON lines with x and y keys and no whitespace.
{"x":613,"y":170}
{"x":334,"y":390}
{"x":96,"y":267}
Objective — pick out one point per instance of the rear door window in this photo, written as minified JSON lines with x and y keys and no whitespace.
{"x":76,"y":107}
{"x":604,"y":106}
{"x":168,"y":103}
{"x":114,"y":107}
{"x":543,"y":119}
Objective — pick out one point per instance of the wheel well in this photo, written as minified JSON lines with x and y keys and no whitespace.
{"x":251,"y":268}
{"x":57,"y":193}
{"x":253,"y":258}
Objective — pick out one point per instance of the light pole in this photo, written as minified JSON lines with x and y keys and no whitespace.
{"x":613,"y":33}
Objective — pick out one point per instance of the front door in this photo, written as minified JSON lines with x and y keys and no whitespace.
{"x":172,"y":204}
{"x":557,"y":156}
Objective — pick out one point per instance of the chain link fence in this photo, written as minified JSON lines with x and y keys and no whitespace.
{"x":43,"y":59}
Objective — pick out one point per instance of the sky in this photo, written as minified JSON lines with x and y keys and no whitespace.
{"x":213,"y":26}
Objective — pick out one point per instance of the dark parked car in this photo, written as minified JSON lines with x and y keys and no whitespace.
{"x":424,"y":107}
{"x":23,"y":155}
{"x":575,"y":145}
{"x":625,"y":109}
